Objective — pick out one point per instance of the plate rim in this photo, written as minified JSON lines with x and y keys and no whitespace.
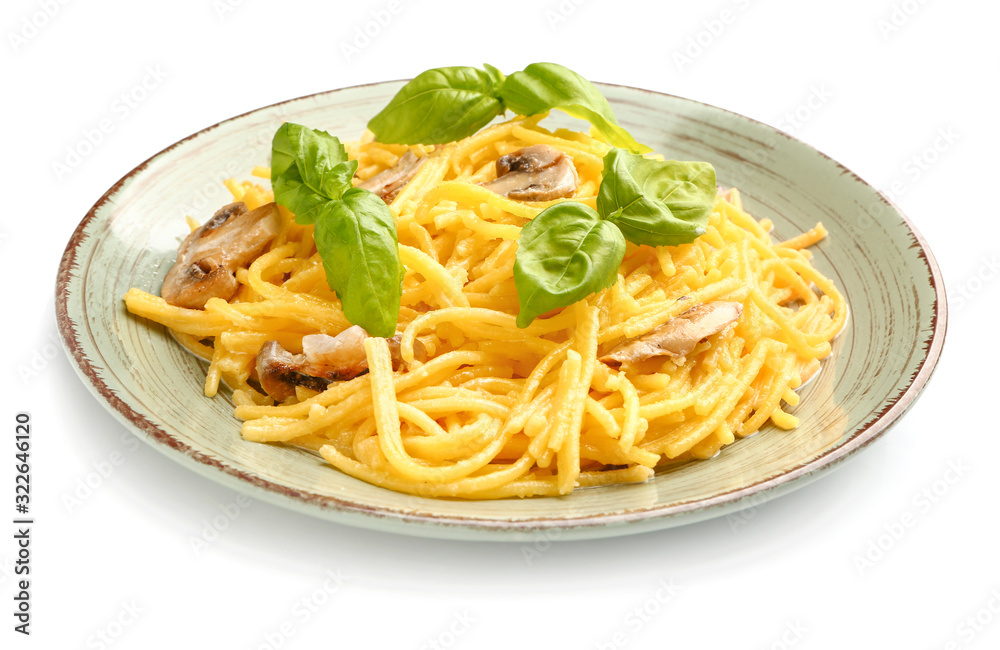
{"x":425,"y":524}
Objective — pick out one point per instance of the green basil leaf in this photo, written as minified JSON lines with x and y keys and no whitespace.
{"x":657,"y":203}
{"x":356,"y":237}
{"x":440,"y":105}
{"x":543,"y":86}
{"x":496,"y":76}
{"x":355,"y":231}
{"x":308,"y":169}
{"x":563,"y":255}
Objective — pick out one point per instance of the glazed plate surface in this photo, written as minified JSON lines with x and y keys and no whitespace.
{"x":880,"y":364}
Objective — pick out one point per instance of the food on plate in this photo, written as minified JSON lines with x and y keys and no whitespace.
{"x":535,"y":173}
{"x":209,"y":257}
{"x":453,"y":308}
{"x":678,"y":336}
{"x":386,"y":184}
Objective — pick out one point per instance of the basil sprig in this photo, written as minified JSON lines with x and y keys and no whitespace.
{"x":569,"y":251}
{"x":564,"y":254}
{"x":543,"y":86}
{"x":657,"y":203}
{"x":447,"y":104}
{"x":440,"y":105}
{"x":308,"y":170}
{"x":355,"y":231}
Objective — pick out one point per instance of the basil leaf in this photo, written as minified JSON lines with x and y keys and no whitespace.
{"x":356,"y":237}
{"x":440,"y":105}
{"x":355,"y":231}
{"x":658,"y":203}
{"x":308,"y":169}
{"x":563,"y":255}
{"x":543,"y":86}
{"x":496,"y":76}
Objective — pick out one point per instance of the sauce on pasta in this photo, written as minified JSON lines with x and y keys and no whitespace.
{"x":489,"y":410}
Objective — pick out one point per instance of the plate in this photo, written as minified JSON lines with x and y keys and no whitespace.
{"x":880,"y":364}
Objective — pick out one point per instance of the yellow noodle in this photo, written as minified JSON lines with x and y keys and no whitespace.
{"x":481,"y":409}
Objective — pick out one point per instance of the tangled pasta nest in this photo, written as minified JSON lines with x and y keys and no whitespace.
{"x":479,"y":408}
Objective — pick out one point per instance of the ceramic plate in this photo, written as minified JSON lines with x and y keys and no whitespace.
{"x":880,"y":363}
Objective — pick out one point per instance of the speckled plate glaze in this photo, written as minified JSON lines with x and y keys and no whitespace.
{"x":880,"y":364}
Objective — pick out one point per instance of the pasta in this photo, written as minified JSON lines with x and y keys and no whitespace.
{"x":482,"y":409}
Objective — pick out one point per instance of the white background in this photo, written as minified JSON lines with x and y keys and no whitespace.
{"x":875,"y":95}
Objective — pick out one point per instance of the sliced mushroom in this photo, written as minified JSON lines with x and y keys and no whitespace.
{"x":209,"y":257}
{"x":388,"y":183}
{"x":678,"y":336}
{"x":535,"y":173}
{"x":279,"y":372}
{"x":324,"y":359}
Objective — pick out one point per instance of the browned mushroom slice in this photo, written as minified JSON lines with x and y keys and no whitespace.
{"x":279,"y":372}
{"x":209,"y":257}
{"x":388,"y":183}
{"x":324,"y":359}
{"x":678,"y":336}
{"x":535,"y":173}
